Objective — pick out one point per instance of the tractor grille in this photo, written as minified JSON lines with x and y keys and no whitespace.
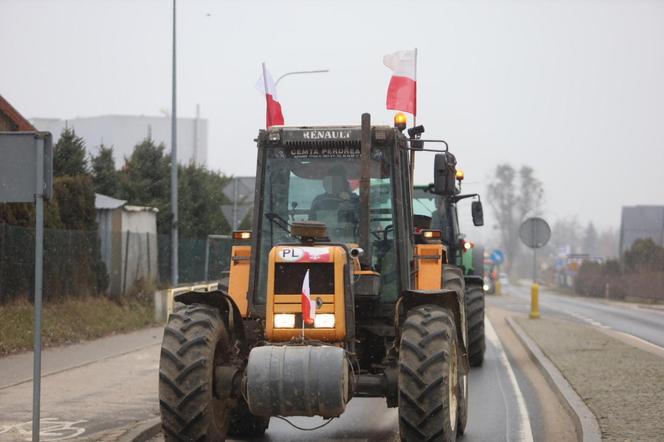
{"x":288,"y":278}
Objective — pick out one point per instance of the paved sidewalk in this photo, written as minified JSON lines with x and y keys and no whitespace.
{"x":18,"y":368}
{"x":620,"y":383}
{"x":96,"y":391}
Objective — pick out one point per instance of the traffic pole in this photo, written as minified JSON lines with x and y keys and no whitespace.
{"x":39,"y":263}
{"x":534,"y":301}
{"x":174,"y":164}
{"x":534,"y":290}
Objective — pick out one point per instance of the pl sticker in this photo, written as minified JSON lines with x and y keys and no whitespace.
{"x":305,"y":254}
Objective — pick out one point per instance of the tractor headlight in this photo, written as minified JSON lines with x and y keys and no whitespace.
{"x":324,"y":320}
{"x":284,"y":320}
{"x":486,"y":287}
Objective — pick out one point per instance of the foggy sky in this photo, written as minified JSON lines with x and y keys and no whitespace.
{"x":572,"y":88}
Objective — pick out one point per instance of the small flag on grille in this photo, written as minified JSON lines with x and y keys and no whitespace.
{"x":308,"y":305}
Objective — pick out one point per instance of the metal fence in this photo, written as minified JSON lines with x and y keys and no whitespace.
{"x":72,"y":263}
{"x":77,"y":263}
{"x":199,"y":259}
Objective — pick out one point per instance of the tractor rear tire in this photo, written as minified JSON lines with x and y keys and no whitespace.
{"x":475,"y":317}
{"x":428,"y":376}
{"x":195,"y":342}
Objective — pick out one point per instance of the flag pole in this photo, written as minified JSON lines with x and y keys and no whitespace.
{"x":412,"y":152}
{"x":266,"y":104}
{"x":303,"y":305}
{"x":303,"y":326}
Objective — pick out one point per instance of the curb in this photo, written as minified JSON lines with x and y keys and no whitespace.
{"x":143,"y":432}
{"x":586,"y":426}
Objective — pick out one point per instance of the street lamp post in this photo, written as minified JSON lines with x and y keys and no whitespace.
{"x":317,"y":71}
{"x":174,"y":168}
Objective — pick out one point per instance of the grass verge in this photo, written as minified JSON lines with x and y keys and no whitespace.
{"x":70,"y":320}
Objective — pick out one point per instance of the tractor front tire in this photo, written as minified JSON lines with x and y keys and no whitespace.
{"x":428,"y":376}
{"x":195,"y":342}
{"x":475,"y":317}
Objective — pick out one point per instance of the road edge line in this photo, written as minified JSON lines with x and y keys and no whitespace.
{"x":494,"y":339}
{"x":143,"y":431}
{"x":587,"y":427}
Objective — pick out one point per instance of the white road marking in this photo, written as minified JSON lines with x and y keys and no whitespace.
{"x":525,"y":433}
{"x":50,"y":429}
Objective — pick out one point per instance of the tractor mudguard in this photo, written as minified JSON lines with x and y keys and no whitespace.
{"x":449,"y":300}
{"x":226,"y":306}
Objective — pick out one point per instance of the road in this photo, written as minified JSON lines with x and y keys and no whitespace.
{"x":509,"y":400}
{"x":643,"y":322}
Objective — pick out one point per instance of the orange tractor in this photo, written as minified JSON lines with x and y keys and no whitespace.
{"x":337,"y":292}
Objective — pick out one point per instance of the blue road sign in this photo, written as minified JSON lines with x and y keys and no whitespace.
{"x":497,"y":256}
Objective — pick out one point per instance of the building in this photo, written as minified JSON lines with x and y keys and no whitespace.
{"x":123,"y":132}
{"x":640,"y":222}
{"x":11,"y":120}
{"x":128,"y":244}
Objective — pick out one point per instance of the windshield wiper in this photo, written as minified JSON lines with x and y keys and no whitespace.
{"x":278,"y":221}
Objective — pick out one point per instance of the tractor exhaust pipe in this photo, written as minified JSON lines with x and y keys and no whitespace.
{"x":365,"y":157}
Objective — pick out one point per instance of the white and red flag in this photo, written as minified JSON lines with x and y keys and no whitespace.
{"x":308,"y":304}
{"x":266,"y":85}
{"x":402,"y":91}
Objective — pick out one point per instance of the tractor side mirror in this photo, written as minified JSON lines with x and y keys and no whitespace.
{"x":444,"y":173}
{"x":477,"y":212}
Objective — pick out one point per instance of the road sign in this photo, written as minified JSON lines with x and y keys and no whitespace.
{"x":497,"y":256}
{"x":535,"y":232}
{"x":26,"y":175}
{"x":18,"y":174}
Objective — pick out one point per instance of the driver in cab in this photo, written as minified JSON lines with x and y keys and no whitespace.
{"x":338,"y":198}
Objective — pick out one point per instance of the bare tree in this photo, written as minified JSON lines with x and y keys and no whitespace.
{"x":513,"y":195}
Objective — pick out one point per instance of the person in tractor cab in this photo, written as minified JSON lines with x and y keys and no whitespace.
{"x":338,"y":206}
{"x":338,"y":193}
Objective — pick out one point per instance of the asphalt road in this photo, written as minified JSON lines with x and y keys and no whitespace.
{"x":640,"y":321}
{"x":109,"y":383}
{"x":509,"y":401}
{"x":498,"y":410}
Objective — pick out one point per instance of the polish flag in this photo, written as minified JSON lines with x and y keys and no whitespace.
{"x":308,"y":305}
{"x":265,"y":85}
{"x":402,"y":91}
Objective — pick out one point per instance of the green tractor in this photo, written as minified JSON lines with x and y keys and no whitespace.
{"x":440,"y":212}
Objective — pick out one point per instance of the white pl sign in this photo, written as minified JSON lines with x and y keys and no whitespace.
{"x":18,"y":171}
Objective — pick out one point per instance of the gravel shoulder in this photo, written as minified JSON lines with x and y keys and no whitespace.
{"x":621,"y":384}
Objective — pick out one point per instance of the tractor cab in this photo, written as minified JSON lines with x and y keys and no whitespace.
{"x":310,"y":174}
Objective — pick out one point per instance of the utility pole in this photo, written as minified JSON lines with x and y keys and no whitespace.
{"x":198,"y":117}
{"x":174,"y":168}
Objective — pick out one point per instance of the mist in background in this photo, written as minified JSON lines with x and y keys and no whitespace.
{"x":572,"y":89}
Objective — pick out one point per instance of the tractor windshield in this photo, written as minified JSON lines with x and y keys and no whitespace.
{"x":323,"y":185}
